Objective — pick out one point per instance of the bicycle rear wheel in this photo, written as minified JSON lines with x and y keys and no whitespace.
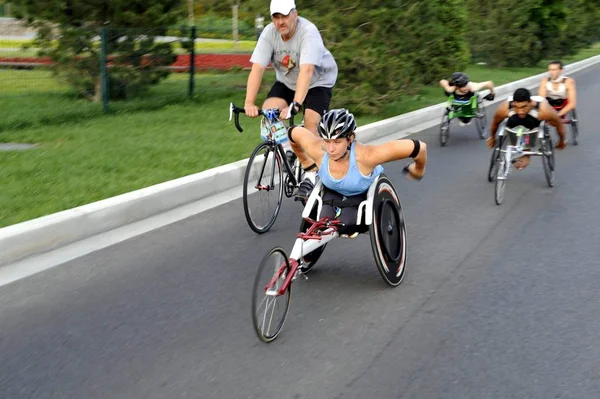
{"x":263,"y":187}
{"x":269,"y":308}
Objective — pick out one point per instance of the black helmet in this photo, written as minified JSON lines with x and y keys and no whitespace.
{"x":459,"y":79}
{"x":336,"y":124}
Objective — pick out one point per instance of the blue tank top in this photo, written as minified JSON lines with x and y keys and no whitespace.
{"x":354,"y":182}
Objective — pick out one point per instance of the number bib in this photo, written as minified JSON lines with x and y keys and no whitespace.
{"x":273,"y":131}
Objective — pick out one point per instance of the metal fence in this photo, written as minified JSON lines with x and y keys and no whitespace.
{"x":117,"y":70}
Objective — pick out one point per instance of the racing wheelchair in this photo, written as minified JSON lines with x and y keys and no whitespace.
{"x":379,"y":214}
{"x":534,"y":142}
{"x":472,"y":108}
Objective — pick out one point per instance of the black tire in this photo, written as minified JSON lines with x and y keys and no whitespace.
{"x":388,"y":233}
{"x":548,"y":158}
{"x":481,"y":120}
{"x":493,"y":170}
{"x":445,"y":129}
{"x":262,"y":320}
{"x":500,"y":181}
{"x":309,"y":260}
{"x":574,"y":127}
{"x":260,"y":221}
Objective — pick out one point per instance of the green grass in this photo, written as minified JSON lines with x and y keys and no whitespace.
{"x":77,"y":162}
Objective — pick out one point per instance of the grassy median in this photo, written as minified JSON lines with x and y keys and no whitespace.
{"x":80,"y":161}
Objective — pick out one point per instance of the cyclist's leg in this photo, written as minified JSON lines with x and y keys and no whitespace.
{"x":279,"y":96}
{"x":315,"y":105}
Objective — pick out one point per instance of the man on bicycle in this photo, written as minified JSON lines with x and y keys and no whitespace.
{"x":346,"y":167}
{"x":522,"y":109}
{"x":462,"y":89}
{"x":558,"y":89}
{"x":305,"y":70}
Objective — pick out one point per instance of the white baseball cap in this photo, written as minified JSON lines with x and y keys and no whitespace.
{"x":282,"y":6}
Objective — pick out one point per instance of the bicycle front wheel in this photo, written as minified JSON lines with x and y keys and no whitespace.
{"x":263,"y":188}
{"x":269,"y":307}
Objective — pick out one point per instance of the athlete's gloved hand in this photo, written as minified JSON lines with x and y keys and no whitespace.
{"x":413,"y":173}
{"x":490,"y":97}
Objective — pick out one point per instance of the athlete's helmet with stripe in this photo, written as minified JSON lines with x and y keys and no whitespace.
{"x":336,"y":124}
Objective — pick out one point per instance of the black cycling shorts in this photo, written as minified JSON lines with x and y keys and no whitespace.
{"x":317,"y":98}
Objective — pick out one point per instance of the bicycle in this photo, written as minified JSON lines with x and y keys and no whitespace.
{"x":379,"y":214}
{"x":456,"y":108}
{"x":266,"y":167}
{"x":504,"y":155}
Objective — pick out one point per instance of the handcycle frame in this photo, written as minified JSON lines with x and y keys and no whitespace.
{"x":293,"y":173}
{"x":504,"y":154}
{"x":458,"y":109}
{"x":320,"y":231}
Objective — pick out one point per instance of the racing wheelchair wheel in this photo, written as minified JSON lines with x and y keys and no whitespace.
{"x":496,"y":154}
{"x":269,"y":308}
{"x":480,"y":119}
{"x":388,"y":233}
{"x":548,"y":158}
{"x":445,"y":128}
{"x":574,"y":127}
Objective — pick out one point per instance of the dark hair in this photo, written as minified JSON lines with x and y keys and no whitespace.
{"x":556,"y":62}
{"x":521,"y":95}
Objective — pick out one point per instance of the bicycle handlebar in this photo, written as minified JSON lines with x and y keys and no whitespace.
{"x":235,"y":111}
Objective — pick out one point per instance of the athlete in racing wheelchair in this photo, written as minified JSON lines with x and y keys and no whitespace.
{"x":561,"y":94}
{"x":352,"y":196}
{"x":465,"y":102}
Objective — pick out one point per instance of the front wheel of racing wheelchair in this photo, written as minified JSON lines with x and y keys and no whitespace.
{"x":380,"y":215}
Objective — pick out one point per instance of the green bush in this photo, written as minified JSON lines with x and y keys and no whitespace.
{"x":389,"y":49}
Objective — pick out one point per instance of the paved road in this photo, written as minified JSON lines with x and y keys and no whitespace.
{"x":498,"y":301}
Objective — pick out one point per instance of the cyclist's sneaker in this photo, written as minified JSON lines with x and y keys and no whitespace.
{"x":304,"y":190}
{"x":291,"y":157}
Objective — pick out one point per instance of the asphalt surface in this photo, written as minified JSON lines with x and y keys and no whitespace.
{"x":498,"y":301}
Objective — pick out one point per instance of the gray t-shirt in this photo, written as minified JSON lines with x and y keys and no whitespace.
{"x":305,"y":47}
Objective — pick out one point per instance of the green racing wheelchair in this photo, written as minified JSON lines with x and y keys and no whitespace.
{"x":465,"y":110}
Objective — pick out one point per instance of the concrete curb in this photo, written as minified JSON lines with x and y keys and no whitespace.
{"x":54,"y":231}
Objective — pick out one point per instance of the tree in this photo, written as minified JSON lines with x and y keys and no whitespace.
{"x":68,"y":32}
{"x":386,"y":49}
